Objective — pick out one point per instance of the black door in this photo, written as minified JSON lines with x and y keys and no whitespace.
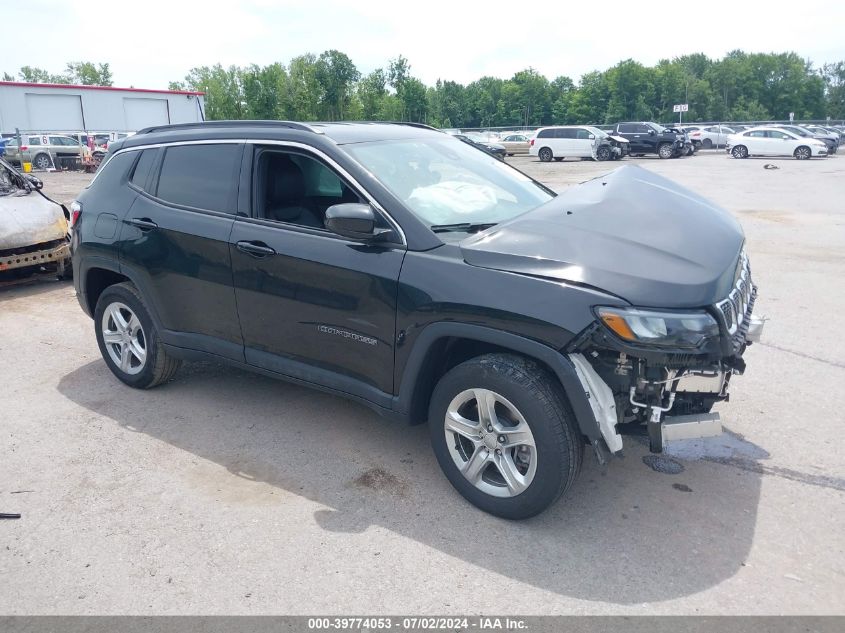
{"x":637,"y":134}
{"x":313,"y":305}
{"x":175,"y":243}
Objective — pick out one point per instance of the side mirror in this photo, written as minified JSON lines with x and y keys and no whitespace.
{"x":354,"y":221}
{"x":651,"y":132}
{"x":591,"y":136}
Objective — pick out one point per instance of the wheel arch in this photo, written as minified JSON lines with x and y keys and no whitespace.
{"x":441,"y":346}
{"x":100,"y":273}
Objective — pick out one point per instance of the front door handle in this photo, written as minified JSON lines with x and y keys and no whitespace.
{"x":256,"y":249}
{"x":145,"y":224}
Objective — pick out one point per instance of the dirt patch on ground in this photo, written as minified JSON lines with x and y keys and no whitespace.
{"x":381,"y":480}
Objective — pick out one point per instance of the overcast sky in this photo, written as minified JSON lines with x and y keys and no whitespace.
{"x":151,"y":42}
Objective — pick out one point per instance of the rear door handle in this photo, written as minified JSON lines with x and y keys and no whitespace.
{"x":256,"y":249}
{"x":145,"y":224}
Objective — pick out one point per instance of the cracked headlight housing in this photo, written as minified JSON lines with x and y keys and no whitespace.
{"x":658,"y":327}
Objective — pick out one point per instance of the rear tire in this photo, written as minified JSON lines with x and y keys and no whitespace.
{"x":134,"y":353}
{"x":545,"y":154}
{"x":707,"y":144}
{"x":521,"y":458}
{"x":739,"y":151}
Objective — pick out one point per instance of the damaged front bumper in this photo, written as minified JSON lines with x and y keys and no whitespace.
{"x":54,"y":252}
{"x":666,"y":395}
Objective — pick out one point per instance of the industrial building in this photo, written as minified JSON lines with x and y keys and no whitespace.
{"x":67,"y":108}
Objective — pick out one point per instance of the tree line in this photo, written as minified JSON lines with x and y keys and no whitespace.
{"x":740,"y":86}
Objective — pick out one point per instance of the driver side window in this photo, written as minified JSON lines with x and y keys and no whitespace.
{"x":295,"y":188}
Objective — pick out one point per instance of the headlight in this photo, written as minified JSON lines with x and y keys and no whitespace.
{"x":667,"y":329}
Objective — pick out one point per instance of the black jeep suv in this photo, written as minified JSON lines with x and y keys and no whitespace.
{"x":402,"y":268}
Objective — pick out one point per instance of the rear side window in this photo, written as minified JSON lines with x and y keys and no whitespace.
{"x":142,"y":168}
{"x":201,"y":176}
{"x":545,"y":134}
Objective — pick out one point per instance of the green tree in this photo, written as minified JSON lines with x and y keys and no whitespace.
{"x":33,"y":75}
{"x":263,"y":89}
{"x":224,"y":97}
{"x":372,"y":91}
{"x":834,"y":80}
{"x":304,"y":92}
{"x":89,"y":74}
{"x":337,"y":75}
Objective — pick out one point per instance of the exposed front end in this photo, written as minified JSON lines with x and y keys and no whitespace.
{"x":659,"y":372}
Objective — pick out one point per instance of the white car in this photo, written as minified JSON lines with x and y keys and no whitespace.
{"x":771,"y":141}
{"x":710,"y":136}
{"x":575,"y":141}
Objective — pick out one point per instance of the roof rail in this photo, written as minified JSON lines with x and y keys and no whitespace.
{"x":222,"y":124}
{"x":354,"y":122}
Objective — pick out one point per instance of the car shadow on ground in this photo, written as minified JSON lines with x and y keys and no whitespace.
{"x":624,"y":534}
{"x":15,"y":288}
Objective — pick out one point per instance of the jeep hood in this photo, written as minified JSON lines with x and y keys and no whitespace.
{"x":630,"y":233}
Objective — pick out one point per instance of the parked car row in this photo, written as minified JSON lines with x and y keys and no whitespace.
{"x":716,"y":136}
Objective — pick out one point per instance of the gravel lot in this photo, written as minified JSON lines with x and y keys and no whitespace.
{"x":227,"y":492}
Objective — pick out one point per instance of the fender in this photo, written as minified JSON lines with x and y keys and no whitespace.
{"x":110,"y":264}
{"x":563,"y":368}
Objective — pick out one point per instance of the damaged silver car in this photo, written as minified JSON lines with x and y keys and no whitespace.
{"x":33,"y":228}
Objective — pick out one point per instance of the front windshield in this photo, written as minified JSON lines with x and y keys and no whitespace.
{"x":598,"y":133}
{"x":444,"y":181}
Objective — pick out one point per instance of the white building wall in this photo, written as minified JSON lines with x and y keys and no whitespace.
{"x":52,"y":109}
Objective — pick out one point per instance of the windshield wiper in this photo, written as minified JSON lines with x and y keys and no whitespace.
{"x":462,"y":227}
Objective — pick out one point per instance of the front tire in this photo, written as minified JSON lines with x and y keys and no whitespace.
{"x":128,"y":339}
{"x":545,"y":154}
{"x":504,"y":435}
{"x":802,"y":153}
{"x":665,"y":151}
{"x":603,"y":153}
{"x":42,"y":161}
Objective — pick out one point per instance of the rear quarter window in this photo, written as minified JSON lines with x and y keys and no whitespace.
{"x":201,"y":176}
{"x":114,"y":171}
{"x":142,"y":168}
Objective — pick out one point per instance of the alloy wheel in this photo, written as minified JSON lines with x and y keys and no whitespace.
{"x":802,"y":153}
{"x":124,"y":338}
{"x":490,"y":442}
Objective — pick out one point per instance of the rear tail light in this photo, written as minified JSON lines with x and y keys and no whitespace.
{"x":75,"y":212}
{"x":531,"y":143}
{"x":24,"y":148}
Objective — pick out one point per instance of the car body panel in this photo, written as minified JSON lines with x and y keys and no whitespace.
{"x":33,"y":228}
{"x":319,"y":299}
{"x":30,"y":219}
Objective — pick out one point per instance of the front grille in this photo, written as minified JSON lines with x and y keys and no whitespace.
{"x":736,"y":308}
